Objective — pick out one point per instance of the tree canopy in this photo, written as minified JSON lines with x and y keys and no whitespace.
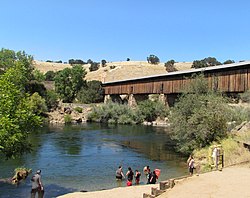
{"x":206,"y":62}
{"x":69,"y":81}
{"x":198,"y":118}
{"x":153,"y":59}
{"x":16,"y":116}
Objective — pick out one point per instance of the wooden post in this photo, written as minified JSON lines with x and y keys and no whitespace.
{"x":171,"y":183}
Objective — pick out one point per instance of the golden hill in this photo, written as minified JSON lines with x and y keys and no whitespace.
{"x":114,"y":71}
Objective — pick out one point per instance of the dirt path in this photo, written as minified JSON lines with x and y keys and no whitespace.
{"x":229,"y":183}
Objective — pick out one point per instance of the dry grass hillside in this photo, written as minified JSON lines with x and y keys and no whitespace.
{"x":114,"y":71}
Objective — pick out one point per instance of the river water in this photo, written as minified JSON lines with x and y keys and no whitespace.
{"x":85,"y":157}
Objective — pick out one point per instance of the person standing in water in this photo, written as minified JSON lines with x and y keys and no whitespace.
{"x":119,"y":176}
{"x":137,"y":177}
{"x":129,"y":175}
{"x":37,"y":186}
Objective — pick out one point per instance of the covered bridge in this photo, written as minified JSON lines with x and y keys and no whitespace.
{"x":230,"y":79}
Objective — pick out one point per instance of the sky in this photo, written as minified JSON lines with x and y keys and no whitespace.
{"x":114,"y":30}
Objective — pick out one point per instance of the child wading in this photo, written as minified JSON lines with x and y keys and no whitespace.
{"x":137,"y":177}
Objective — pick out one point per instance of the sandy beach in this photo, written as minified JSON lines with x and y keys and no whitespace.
{"x":229,"y":183}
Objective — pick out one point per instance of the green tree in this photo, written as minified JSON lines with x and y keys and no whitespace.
{"x":51,"y":99}
{"x":198,"y":118}
{"x":153,"y":59}
{"x":69,"y":81}
{"x":150,"y":110}
{"x":37,"y":75}
{"x":49,"y":75}
{"x":94,"y":66}
{"x":37,"y":104}
{"x":10,"y":58}
{"x":16,"y":116}
{"x":104,"y":62}
{"x":92,"y":93}
{"x":228,"y":62}
{"x":170,"y":66}
{"x":206,"y":62}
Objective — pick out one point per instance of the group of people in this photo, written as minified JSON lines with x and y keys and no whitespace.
{"x":150,"y":176}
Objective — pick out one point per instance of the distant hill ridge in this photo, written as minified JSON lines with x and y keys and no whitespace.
{"x":114,"y":71}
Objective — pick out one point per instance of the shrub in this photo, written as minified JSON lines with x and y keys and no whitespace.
{"x":114,"y":113}
{"x":51,"y":99}
{"x":37,"y":75}
{"x":67,"y":119}
{"x":78,"y":109}
{"x":150,"y":110}
{"x":198,"y":118}
{"x":92,"y":93}
{"x":245,"y":97}
{"x":49,"y":75}
{"x":37,"y":104}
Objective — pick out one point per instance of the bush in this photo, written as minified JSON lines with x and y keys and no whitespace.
{"x":51,"y":99}
{"x":67,"y":119}
{"x":37,"y":104}
{"x":245,"y":97}
{"x":49,"y":75}
{"x":150,"y":110}
{"x":78,"y":109}
{"x":39,"y":76}
{"x":114,"y":113}
{"x":198,"y":119}
{"x":170,"y":66}
{"x":238,"y":114}
{"x":92,"y":93}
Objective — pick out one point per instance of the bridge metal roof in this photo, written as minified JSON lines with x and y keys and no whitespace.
{"x":217,"y":67}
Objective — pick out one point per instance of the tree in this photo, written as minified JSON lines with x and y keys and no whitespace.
{"x":104,"y":62}
{"x":76,"y":62}
{"x":228,"y":62}
{"x":37,"y":75}
{"x":170,"y":66}
{"x":94,"y":66}
{"x":49,"y":75}
{"x":89,"y":61}
{"x":206,"y":62}
{"x":16,"y":116}
{"x":198,"y":118}
{"x":37,"y":104}
{"x":69,"y":81}
{"x":10,"y":58}
{"x":153,"y":59}
{"x":92,"y":93}
{"x":51,"y":99}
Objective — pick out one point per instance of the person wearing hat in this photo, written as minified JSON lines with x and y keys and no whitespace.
{"x":37,"y":186}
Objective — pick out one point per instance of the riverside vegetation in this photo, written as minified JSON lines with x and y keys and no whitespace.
{"x":199,"y":118}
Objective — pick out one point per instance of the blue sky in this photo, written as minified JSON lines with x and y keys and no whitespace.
{"x":115,"y":30}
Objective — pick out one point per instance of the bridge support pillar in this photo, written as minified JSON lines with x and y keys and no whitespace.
{"x":164,"y":99}
{"x":131,"y":100}
{"x":106,"y":99}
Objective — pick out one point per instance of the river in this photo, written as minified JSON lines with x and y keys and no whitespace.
{"x":85,"y":157}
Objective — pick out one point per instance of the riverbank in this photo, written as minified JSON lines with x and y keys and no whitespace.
{"x":230,"y":182}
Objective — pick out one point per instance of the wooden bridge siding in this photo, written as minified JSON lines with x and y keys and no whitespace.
{"x":237,"y":80}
